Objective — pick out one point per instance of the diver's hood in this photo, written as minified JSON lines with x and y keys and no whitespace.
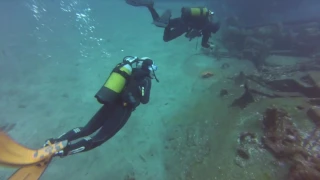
{"x":144,"y":63}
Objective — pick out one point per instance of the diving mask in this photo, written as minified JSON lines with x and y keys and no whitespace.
{"x":153,"y":67}
{"x":147,"y":63}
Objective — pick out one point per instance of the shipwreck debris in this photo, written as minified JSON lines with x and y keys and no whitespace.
{"x":240,"y":79}
{"x":284,"y":141}
{"x":314,"y":114}
{"x":245,"y":99}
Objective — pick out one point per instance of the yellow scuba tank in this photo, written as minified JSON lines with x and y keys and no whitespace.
{"x":195,"y":12}
{"x":115,"y":83}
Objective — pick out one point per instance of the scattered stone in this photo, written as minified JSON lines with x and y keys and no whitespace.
{"x":247,"y":137}
{"x":314,"y":114}
{"x":206,"y":74}
{"x":300,"y":107}
{"x":243,"y":153}
{"x":130,"y":176}
{"x":223,"y":92}
{"x":225,"y":66}
{"x":239,"y":162}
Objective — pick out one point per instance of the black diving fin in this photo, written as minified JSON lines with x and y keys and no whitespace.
{"x":164,"y":19}
{"x":140,"y":2}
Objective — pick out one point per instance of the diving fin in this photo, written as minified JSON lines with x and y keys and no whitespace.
{"x":163,"y":20}
{"x":140,"y":2}
{"x":15,"y":155}
{"x":31,"y":172}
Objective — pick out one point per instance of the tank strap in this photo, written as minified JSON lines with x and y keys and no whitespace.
{"x":201,"y":11}
{"x":125,"y":75}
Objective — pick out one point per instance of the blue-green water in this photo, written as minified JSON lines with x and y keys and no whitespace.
{"x":56,"y":54}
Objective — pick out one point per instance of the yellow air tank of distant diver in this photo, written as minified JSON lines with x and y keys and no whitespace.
{"x":115,"y":83}
{"x":195,"y":12}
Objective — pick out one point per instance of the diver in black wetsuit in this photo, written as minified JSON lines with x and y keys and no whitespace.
{"x":195,"y":22}
{"x":111,"y":117}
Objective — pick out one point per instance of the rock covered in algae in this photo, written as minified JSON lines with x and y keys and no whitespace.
{"x":283,"y":139}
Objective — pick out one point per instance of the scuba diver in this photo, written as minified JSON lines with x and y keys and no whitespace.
{"x":124,"y":90}
{"x":127,"y":86}
{"x":195,"y":22}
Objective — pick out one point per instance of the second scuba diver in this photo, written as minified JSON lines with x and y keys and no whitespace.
{"x":124,"y":90}
{"x":195,"y":22}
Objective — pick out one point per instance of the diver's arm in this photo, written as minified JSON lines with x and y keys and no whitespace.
{"x":145,"y":87}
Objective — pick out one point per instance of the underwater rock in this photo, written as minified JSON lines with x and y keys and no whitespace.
{"x":315,"y":77}
{"x":247,"y":137}
{"x":248,"y":148}
{"x":314,"y":114}
{"x":206,"y":74}
{"x":303,"y":171}
{"x":314,"y":101}
{"x":223,"y":92}
{"x":239,"y":162}
{"x":130,"y":176}
{"x":225,"y":66}
{"x":280,"y":135}
{"x":285,"y":142}
{"x":300,"y":107}
{"x":243,"y":153}
{"x":246,"y":140}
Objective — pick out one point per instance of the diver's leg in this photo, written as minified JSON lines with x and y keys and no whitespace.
{"x":175,"y":29}
{"x":163,"y":20}
{"x":110,"y":127}
{"x":93,"y":125}
{"x":159,"y":21}
{"x":153,"y":12}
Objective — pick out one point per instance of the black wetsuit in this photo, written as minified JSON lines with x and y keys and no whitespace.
{"x":181,"y":25}
{"x":110,"y":117}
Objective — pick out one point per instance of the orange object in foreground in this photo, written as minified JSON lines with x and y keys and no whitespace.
{"x":32,"y":163}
